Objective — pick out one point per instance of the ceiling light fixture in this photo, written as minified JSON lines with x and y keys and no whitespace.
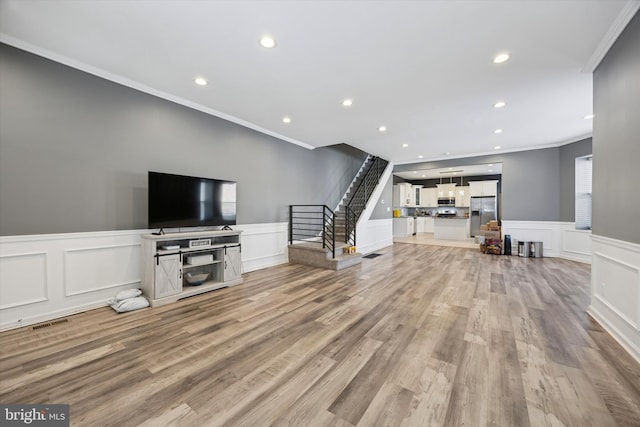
{"x":267,"y":42}
{"x":497,"y":147}
{"x":499,"y":59}
{"x":382,"y":128}
{"x":347,"y":102}
{"x":200,"y":81}
{"x":497,"y":131}
{"x":490,"y":170}
{"x":490,"y":164}
{"x":420,"y":156}
{"x":405,"y":145}
{"x":499,"y":104}
{"x":589,"y":117}
{"x":286,"y":119}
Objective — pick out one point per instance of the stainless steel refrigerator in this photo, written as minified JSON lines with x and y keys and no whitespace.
{"x":482,"y":210}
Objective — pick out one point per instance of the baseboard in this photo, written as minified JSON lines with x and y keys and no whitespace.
{"x":632,"y":348}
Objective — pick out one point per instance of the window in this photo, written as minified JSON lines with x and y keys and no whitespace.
{"x":583,"y":192}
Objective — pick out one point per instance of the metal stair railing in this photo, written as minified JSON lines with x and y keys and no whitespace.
{"x":313,"y":223}
{"x":358,"y":201}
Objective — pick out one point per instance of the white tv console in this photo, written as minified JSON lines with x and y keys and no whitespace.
{"x":164,"y":263}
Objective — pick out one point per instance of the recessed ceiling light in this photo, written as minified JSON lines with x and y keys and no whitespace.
{"x":490,"y":164}
{"x":286,"y":119}
{"x":200,"y":81}
{"x":415,"y":171}
{"x":499,"y":104}
{"x":497,"y":131}
{"x":497,"y":147}
{"x":382,"y":128}
{"x":347,"y":102}
{"x":267,"y":42}
{"x":589,"y":117}
{"x":420,"y":156}
{"x":405,"y":145}
{"x":490,"y":170}
{"x":499,"y":59}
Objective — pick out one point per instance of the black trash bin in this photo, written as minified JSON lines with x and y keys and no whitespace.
{"x":507,"y":244}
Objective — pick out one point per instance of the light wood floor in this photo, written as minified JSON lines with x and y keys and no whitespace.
{"x":419,"y":336}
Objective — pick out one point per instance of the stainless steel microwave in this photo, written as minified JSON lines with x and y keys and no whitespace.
{"x":446,"y":201}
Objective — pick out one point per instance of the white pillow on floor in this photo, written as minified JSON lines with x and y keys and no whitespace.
{"x":128,"y":293}
{"x":130,"y":304}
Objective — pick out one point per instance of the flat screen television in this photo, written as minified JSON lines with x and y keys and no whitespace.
{"x":186,"y":201}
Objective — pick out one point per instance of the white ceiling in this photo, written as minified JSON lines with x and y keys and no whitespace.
{"x":453,"y":173}
{"x":422,"y":68}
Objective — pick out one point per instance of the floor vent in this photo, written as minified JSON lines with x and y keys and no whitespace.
{"x":47,"y":324}
{"x":374,"y":255}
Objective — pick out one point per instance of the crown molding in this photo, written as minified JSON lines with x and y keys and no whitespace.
{"x":617,"y":27}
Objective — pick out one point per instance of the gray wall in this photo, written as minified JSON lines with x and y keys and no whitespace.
{"x":568,"y":154}
{"x":530,"y":182}
{"x":616,"y":139}
{"x":75,"y":150}
{"x":380,"y":210}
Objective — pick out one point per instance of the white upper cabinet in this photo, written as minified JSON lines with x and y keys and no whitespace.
{"x":403,"y":194}
{"x":429,"y":197}
{"x":463,"y":197}
{"x":483,"y":188}
{"x":446,"y":190}
{"x":417,"y":195}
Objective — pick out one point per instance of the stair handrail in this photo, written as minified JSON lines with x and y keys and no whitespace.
{"x":358,"y":201}
{"x":322,"y":227}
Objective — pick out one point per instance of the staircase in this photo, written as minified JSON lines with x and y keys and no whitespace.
{"x":317,"y":235}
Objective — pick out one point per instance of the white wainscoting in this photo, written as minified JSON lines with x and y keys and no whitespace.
{"x":575,"y":244}
{"x":615,"y":290}
{"x":374,"y":234}
{"x":559,"y":239}
{"x":43,"y":277}
{"x":264,"y":245}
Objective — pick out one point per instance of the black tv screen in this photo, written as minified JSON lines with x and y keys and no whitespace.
{"x":186,"y":201}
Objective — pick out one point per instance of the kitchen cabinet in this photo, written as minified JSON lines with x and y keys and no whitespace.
{"x":446,"y":190}
{"x":428,"y":224}
{"x":429,"y":197}
{"x":403,"y":227}
{"x":403,"y":194}
{"x":416,"y":195}
{"x":483,"y":188}
{"x":463,"y":197}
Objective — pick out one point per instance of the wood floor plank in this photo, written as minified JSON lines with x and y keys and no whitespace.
{"x":420,"y":336}
{"x":468,"y":404}
{"x":507,"y":403}
{"x":354,"y":400}
{"x":431,"y":398}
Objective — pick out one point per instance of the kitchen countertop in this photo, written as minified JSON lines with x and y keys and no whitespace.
{"x":451,"y":217}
